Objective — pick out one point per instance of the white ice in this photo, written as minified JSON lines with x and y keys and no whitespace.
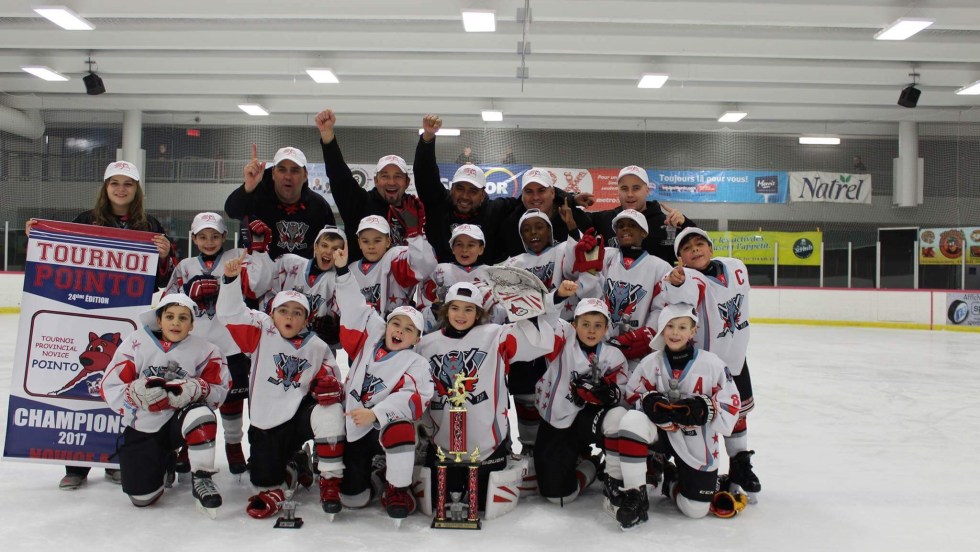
{"x":866,"y":439}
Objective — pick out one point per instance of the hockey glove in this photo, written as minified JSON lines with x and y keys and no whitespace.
{"x":261,"y":236}
{"x":327,"y":390}
{"x":265,"y":504}
{"x":585,"y":391}
{"x":327,"y":328}
{"x":411,"y":214}
{"x":659,"y":410}
{"x":147,"y":395}
{"x":203,"y":288}
{"x":589,"y":253}
{"x":725,"y":504}
{"x":183,"y":392}
{"x":636,"y":343}
{"x":693,"y":411}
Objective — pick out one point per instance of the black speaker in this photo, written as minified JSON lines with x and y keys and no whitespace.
{"x":93,"y":84}
{"x":909,"y":96}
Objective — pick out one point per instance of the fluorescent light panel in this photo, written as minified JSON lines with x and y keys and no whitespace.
{"x":255,"y":110}
{"x":323,"y":76}
{"x":45,"y":73}
{"x":492,"y":116}
{"x":444,"y":132}
{"x":64,"y":18}
{"x":479,"y":21}
{"x":652,"y":80}
{"x":970,"y":89}
{"x":732,"y":116}
{"x":820,"y":140}
{"x":903,"y":28}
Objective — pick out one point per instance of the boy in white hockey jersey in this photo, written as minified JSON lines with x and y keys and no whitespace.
{"x":166,"y":384}
{"x":578,"y":399}
{"x":719,"y":288}
{"x":388,"y":388}
{"x":294,"y":393}
{"x":387,"y":276}
{"x":685,"y":398}
{"x":199,"y":278}
{"x":482,"y":353}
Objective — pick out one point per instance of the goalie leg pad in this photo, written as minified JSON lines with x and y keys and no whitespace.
{"x":422,"y":488}
{"x":503,"y":488}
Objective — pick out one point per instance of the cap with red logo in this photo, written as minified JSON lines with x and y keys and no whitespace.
{"x":121,"y":168}
{"x":291,"y":154}
{"x":472,"y":174}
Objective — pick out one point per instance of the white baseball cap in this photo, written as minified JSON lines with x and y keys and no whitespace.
{"x":470,"y":230}
{"x":537,"y":175}
{"x":670,"y":312}
{"x":465,"y":292}
{"x":374,"y":222}
{"x":284,"y":297}
{"x":591,"y":304}
{"x":208,"y":220}
{"x":636,"y":171}
{"x":332,"y":230}
{"x":634,"y":216}
{"x":290,"y":153}
{"x":683,"y":234}
{"x":472,"y":174}
{"x":413,"y":315}
{"x":149,"y":318}
{"x":123,"y":168}
{"x":533,"y":213}
{"x":392,"y":160}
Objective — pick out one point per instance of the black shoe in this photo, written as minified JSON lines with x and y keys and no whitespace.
{"x":633,"y":509}
{"x":740,"y":472}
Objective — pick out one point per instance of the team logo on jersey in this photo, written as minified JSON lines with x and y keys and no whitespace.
{"x":203,"y":306}
{"x":731,"y":315}
{"x":315,"y":300}
{"x":292,"y":234}
{"x":622,"y":298}
{"x":445,"y":367}
{"x":288,"y":371}
{"x":372,"y":294}
{"x":544,"y":273}
{"x":371,"y":386}
{"x":170,"y":372}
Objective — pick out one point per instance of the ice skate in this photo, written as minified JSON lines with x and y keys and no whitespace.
{"x":113,"y":476}
{"x":330,"y":496}
{"x":72,"y":481}
{"x":171,"y":474}
{"x":398,"y":502}
{"x":206,"y":493}
{"x":304,"y":468}
{"x":740,"y":475}
{"x":633,"y":509}
{"x":612,"y":495}
{"x":237,"y":464}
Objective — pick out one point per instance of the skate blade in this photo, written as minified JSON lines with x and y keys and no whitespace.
{"x":607,"y":506}
{"x":330,"y":517}
{"x":397,"y":522}
{"x":210,"y":512}
{"x":184,"y":477}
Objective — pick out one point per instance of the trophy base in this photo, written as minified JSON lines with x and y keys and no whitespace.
{"x":453,"y":524}
{"x":289,"y":523}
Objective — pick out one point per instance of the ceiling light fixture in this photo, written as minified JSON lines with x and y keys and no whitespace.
{"x":45,"y":73}
{"x":903,"y":28}
{"x":323,"y":76}
{"x":652,"y":80}
{"x":732,"y":116}
{"x":445,"y":132}
{"x":253,"y":109}
{"x":479,"y":21}
{"x":64,"y":18}
{"x":491,"y":116}
{"x":970,"y":89}
{"x":820,"y":140}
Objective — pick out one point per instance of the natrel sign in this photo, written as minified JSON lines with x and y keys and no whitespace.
{"x":830,"y":187}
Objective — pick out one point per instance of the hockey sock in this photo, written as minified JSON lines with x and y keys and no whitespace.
{"x":199,"y":429}
{"x":232,"y":422}
{"x":398,"y":440}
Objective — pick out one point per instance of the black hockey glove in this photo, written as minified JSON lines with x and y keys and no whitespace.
{"x":693,"y":411}
{"x":657,"y":408}
{"x":584,"y":391}
{"x":327,"y":328}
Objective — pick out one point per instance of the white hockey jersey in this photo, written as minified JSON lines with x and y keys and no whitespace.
{"x":282,"y":369}
{"x":256,"y":277}
{"x":551,"y":266}
{"x":704,"y":374}
{"x":633,"y":290}
{"x":553,"y":397}
{"x":722,"y":306}
{"x":390,"y":282}
{"x":483,"y":356}
{"x":143,"y":355}
{"x":445,"y":276}
{"x":394,"y":385}
{"x":292,"y":272}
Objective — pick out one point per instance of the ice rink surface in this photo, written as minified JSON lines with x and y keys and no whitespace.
{"x":866,"y":439}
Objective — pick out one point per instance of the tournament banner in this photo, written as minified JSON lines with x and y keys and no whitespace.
{"x":698,"y":186}
{"x":946,"y":246}
{"x":605,"y":188}
{"x":502,"y":180}
{"x":84,"y":287}
{"x":795,"y":248}
{"x":963,"y":309}
{"x":828,"y":187}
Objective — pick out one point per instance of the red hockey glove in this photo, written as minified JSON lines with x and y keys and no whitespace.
{"x":203,"y":288}
{"x":183,"y":392}
{"x":261,"y":236}
{"x":265,"y":504}
{"x":147,"y":395}
{"x":327,"y":390}
{"x":636,"y":343}
{"x":411,"y":214}
{"x":589,"y":253}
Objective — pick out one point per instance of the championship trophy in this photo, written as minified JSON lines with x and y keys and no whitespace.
{"x":457,"y":514}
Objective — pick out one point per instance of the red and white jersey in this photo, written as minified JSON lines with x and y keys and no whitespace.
{"x":394,"y":385}
{"x":292,"y":272}
{"x":282,"y":369}
{"x":551,"y":266}
{"x":143,"y":355}
{"x":390,"y":282}
{"x":553,"y":396}
{"x":705,"y":374}
{"x":633,"y":290}
{"x":445,"y":276}
{"x":722,"y":306}
{"x":256,"y":278}
{"x":483,"y":356}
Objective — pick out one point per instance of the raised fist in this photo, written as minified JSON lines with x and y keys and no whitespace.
{"x":430,"y":126}
{"x":411,"y":213}
{"x":325,"y":121}
{"x":261,"y":236}
{"x":589,"y":253}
